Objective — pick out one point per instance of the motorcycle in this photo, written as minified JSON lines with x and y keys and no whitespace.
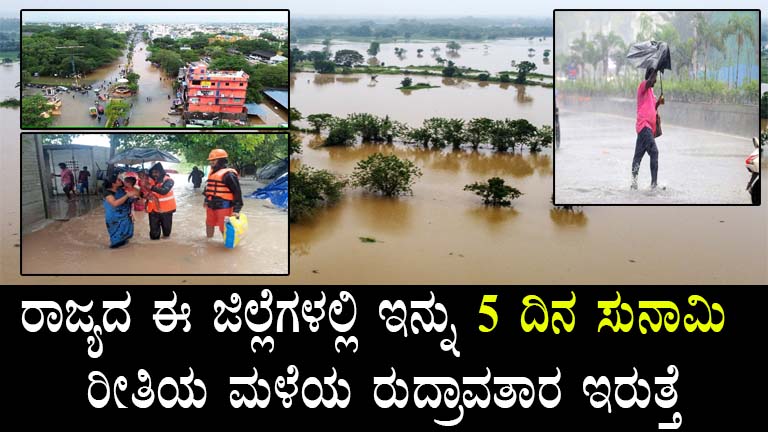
{"x":753,"y":167}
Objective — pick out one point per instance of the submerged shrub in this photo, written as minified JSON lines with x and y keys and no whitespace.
{"x":387,"y":175}
{"x":310,"y":189}
{"x":494,"y":192}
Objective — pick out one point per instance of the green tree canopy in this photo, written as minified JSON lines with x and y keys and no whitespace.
{"x":386,"y":174}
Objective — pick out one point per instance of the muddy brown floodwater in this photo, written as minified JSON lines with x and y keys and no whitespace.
{"x":442,"y":234}
{"x":493,"y":56}
{"x":340,"y":95}
{"x":78,"y":244}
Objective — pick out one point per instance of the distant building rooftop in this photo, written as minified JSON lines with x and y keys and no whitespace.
{"x":264,"y":53}
{"x":255,"y":110}
{"x":279,"y":96}
{"x":227,"y":74}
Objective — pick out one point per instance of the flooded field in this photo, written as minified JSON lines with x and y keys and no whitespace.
{"x":150,"y":106}
{"x":78,"y":243}
{"x":444,"y":235}
{"x":10,"y":75}
{"x":340,"y":95}
{"x":493,"y":56}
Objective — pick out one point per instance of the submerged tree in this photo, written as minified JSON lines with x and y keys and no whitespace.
{"x":453,"y":46}
{"x":33,"y":109}
{"x":341,"y":133}
{"x":494,"y":192}
{"x":309,"y":189}
{"x":450,"y":70}
{"x":374,"y":49}
{"x":320,"y":121}
{"x":294,"y":143}
{"x":116,"y":109}
{"x":387,"y":175}
{"x":348,"y":57}
{"x":523,"y":69}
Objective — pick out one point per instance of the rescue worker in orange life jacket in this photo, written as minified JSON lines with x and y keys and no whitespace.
{"x":223,"y":196}
{"x":161,"y":204}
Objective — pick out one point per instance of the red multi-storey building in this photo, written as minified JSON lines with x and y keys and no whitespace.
{"x":215,"y":91}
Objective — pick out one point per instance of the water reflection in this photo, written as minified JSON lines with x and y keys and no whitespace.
{"x":542,"y":163}
{"x":493,"y":218}
{"x":323,"y":79}
{"x":478,"y":163}
{"x":348,"y":79}
{"x":316,"y":140}
{"x":322,"y":225}
{"x":519,"y":166}
{"x":522,"y":97}
{"x":568,"y":218}
{"x":380,"y":215}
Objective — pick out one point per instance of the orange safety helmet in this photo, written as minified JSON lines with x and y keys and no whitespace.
{"x":217,"y":154}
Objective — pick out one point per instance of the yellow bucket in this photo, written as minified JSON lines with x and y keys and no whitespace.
{"x":234,"y":230}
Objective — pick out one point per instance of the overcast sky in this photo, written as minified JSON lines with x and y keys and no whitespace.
{"x":424,"y":8}
{"x":158,"y":17}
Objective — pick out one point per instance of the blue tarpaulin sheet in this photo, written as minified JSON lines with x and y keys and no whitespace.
{"x":276,"y":192}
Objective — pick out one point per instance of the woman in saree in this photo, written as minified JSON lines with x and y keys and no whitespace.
{"x":117,"y":211}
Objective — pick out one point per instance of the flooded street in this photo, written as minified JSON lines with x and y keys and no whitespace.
{"x":79,"y":245}
{"x":340,"y":95}
{"x":494,"y":56}
{"x":144,"y":112}
{"x":695,"y":167}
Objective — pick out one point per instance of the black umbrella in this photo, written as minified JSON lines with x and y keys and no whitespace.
{"x":141,"y":155}
{"x":652,"y":54}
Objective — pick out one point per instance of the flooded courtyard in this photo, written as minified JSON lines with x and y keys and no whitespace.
{"x":77,"y":242}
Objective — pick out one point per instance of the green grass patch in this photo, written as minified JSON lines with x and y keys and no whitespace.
{"x":52,"y":81}
{"x":469,"y":74}
{"x":10,"y":103}
{"x":418,"y":86}
{"x":13,"y":55}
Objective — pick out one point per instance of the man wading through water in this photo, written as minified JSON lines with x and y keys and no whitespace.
{"x":646,"y":127}
{"x":223,"y":196}
{"x":160,"y":203}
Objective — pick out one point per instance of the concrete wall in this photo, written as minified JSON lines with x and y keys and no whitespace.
{"x":741,"y":120}
{"x":94,"y":158}
{"x":32,"y":190}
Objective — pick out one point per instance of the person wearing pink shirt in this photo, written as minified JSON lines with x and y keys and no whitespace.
{"x":646,"y":127}
{"x":67,"y":180}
